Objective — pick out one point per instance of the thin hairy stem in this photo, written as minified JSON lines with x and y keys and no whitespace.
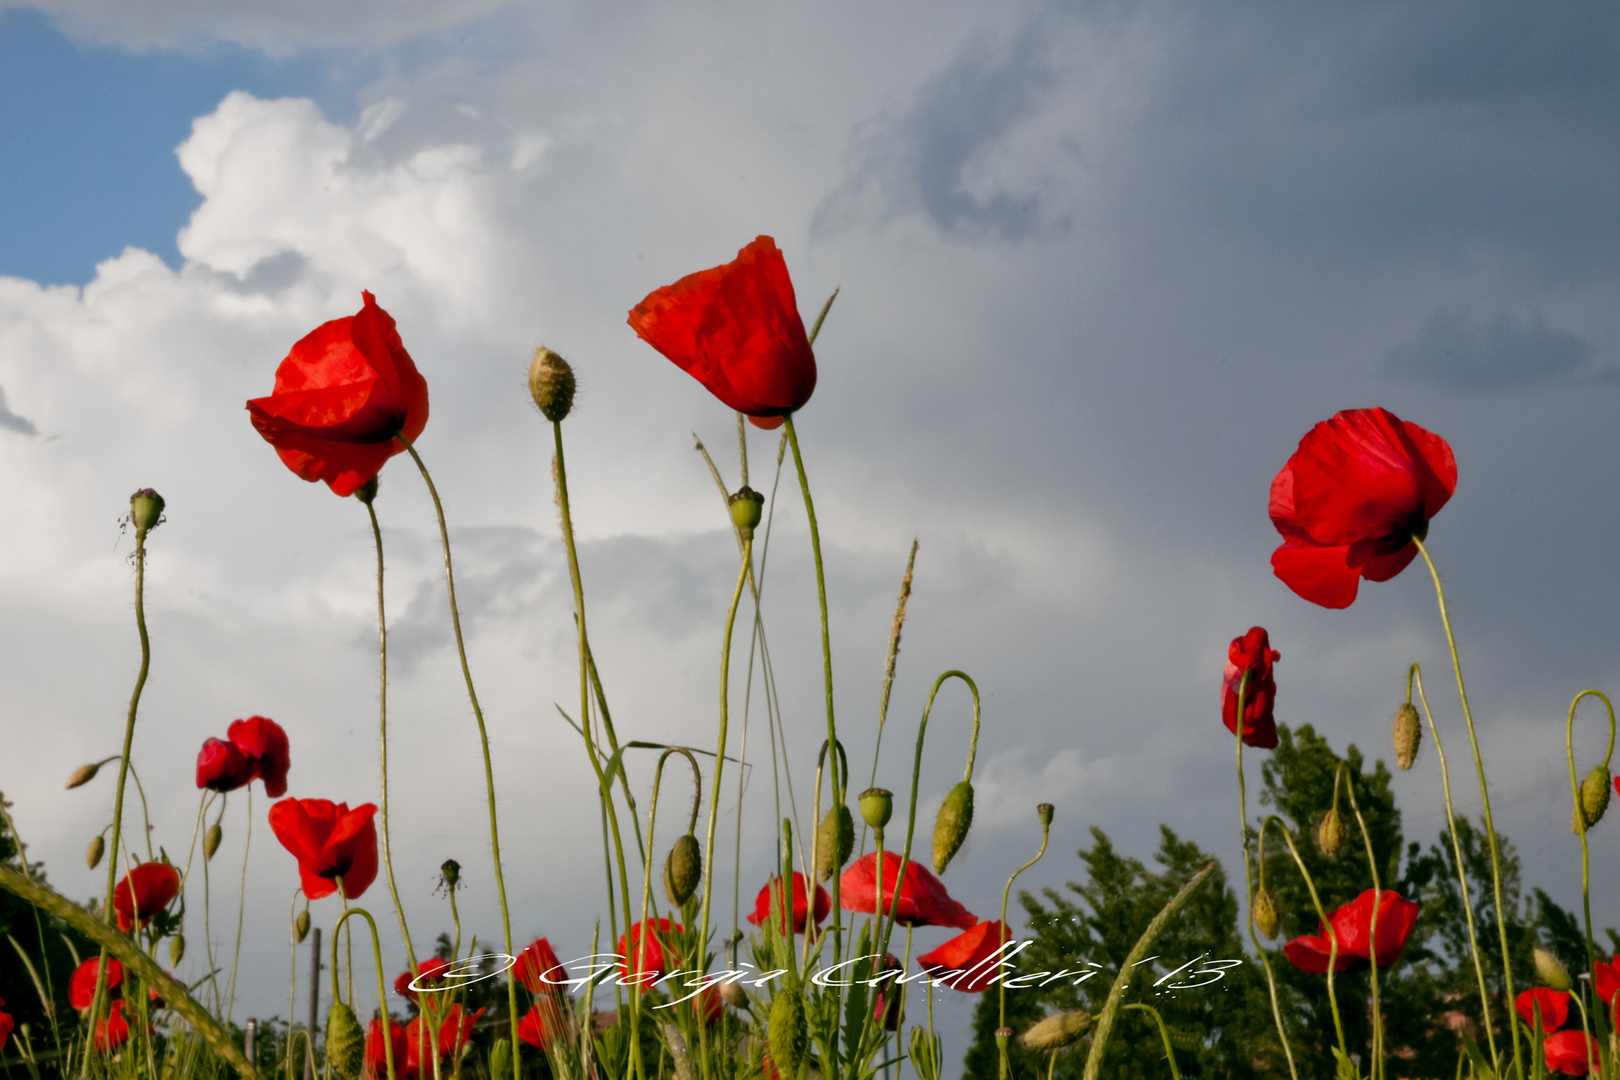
{"x":1580,"y":815}
{"x":1006,"y":894}
{"x":1372,"y":932}
{"x":1333,"y":939}
{"x":382,"y":985}
{"x":241,"y":908}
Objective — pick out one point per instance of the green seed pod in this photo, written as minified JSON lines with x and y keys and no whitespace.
{"x":367,"y":491}
{"x":1408,"y":735}
{"x":683,"y":870}
{"x":177,"y":950}
{"x":345,"y":1042}
{"x":789,"y":1036}
{"x":211,"y":840}
{"x":1056,"y":1031}
{"x":145,"y":510}
{"x":450,"y":873}
{"x":1044,"y":811}
{"x":83,"y":775}
{"x":1595,"y":790}
{"x":877,"y":806}
{"x":1330,"y":833}
{"x":551,"y":384}
{"x":952,"y":825}
{"x":500,"y":1060}
{"x":747,"y":507}
{"x":835,"y":839}
{"x":301,"y":925}
{"x":1265,"y":913}
{"x":93,"y":854}
{"x":1552,"y":971}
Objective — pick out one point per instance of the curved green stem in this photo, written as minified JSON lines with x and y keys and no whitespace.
{"x":241,"y":907}
{"x":146,"y":814}
{"x":1372,"y":931}
{"x":1580,"y":814}
{"x":640,"y":944}
{"x":292,"y":981}
{"x":1006,"y":894}
{"x":382,"y":985}
{"x":1485,"y":795}
{"x":1333,"y":939}
{"x":1164,"y":1034}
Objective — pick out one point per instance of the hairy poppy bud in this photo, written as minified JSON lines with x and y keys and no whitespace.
{"x":450,"y":873}
{"x":211,"y":840}
{"x":177,"y":950}
{"x":952,"y":825}
{"x":1408,"y":735}
{"x":344,"y":1041}
{"x":733,"y":995}
{"x":1044,"y":811}
{"x":301,"y":925}
{"x":1057,"y":1031}
{"x":367,"y":491}
{"x":1551,"y":970}
{"x":1330,"y":833}
{"x":84,"y":774}
{"x":551,"y":384}
{"x":835,"y":839}
{"x":747,"y":507}
{"x":500,"y":1060}
{"x":1595,"y":796}
{"x":93,"y":853}
{"x":145,"y":509}
{"x":1265,"y":913}
{"x":789,"y":1036}
{"x":877,"y":806}
{"x":683,"y":870}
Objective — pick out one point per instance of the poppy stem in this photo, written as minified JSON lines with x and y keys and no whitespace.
{"x":382,"y":985}
{"x":639,"y":945}
{"x":1485,"y":795}
{"x":1164,"y":1034}
{"x":483,"y":738}
{"x":292,"y":981}
{"x":1580,"y":813}
{"x":1248,"y":879}
{"x":241,"y":907}
{"x":1006,"y":893}
{"x":1372,"y":930}
{"x":1321,"y":917}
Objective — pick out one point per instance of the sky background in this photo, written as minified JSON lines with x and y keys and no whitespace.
{"x":1102,"y":265}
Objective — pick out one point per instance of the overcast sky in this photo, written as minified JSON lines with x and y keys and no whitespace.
{"x":1102,"y":265}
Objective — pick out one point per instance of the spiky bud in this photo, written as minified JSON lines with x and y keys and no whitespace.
{"x":145,"y":510}
{"x":952,"y":825}
{"x":1551,"y":970}
{"x":177,"y":950}
{"x":93,"y":853}
{"x":683,"y":870}
{"x":450,"y":874}
{"x":835,"y":839}
{"x":1265,"y":913}
{"x":1595,"y":790}
{"x":301,"y":925}
{"x":747,"y":507}
{"x":345,"y":1041}
{"x":1330,"y":833}
{"x":500,"y":1060}
{"x":367,"y":491}
{"x":1056,"y":1031}
{"x":84,"y":774}
{"x":789,"y":1035}
{"x":551,"y":384}
{"x":877,"y":806}
{"x":211,"y":840}
{"x":1408,"y":735}
{"x":733,"y":995}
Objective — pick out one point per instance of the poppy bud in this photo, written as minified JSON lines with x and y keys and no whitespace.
{"x":84,"y":774}
{"x":1408,"y":735}
{"x":301,"y":925}
{"x":1057,"y":1031}
{"x":1330,"y":833}
{"x":877,"y":806}
{"x":500,"y":1060}
{"x":952,"y":825}
{"x":551,"y":384}
{"x":93,"y":853}
{"x":1265,"y":913}
{"x":789,"y":1036}
{"x":1551,"y":970}
{"x":145,"y":509}
{"x":1044,"y":811}
{"x":683,"y":870}
{"x":367,"y":491}
{"x":450,"y":873}
{"x":1595,"y":795}
{"x":345,"y":1041}
{"x":211,"y":840}
{"x":835,"y":839}
{"x":177,"y":950}
{"x":733,"y":995}
{"x":747,"y":507}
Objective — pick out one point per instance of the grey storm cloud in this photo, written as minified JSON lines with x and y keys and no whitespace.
{"x":1454,"y":352}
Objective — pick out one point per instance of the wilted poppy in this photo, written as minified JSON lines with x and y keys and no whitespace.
{"x":1352,"y":924}
{"x":341,"y":395}
{"x":922,"y":899}
{"x":736,"y":329}
{"x":256,"y":747}
{"x":82,"y":985}
{"x":1251,"y":655}
{"x":648,"y":940}
{"x":772,"y":894}
{"x":1552,"y":1004}
{"x":1570,"y":1052}
{"x":537,"y":967}
{"x":113,"y":1031}
{"x":1350,"y":500}
{"x":966,"y":962}
{"x":221,"y":766}
{"x":145,"y":891}
{"x":329,"y":841}
{"x":426,"y":972}
{"x":377,"y":1047}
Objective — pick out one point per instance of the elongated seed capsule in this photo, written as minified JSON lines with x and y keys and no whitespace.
{"x":1595,"y":795}
{"x":1265,"y":913}
{"x":211,"y":840}
{"x":683,"y":870}
{"x":835,"y":839}
{"x":1408,"y":735}
{"x":1330,"y":833}
{"x":952,"y":824}
{"x":93,"y":854}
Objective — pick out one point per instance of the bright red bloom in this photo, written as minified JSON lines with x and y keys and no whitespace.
{"x":1607,"y":979}
{"x":538,"y":969}
{"x":113,"y":1031}
{"x":341,"y":396}
{"x":648,"y":947}
{"x":1253,"y":655}
{"x":6,"y":1024}
{"x":707,"y":1006}
{"x":257,"y":747}
{"x":922,"y":900}
{"x":422,"y":1043}
{"x":427,"y":970}
{"x":539,"y":1024}
{"x":772,"y":893}
{"x":1350,"y":500}
{"x":1570,"y":1052}
{"x":145,"y":891}
{"x":221,"y":766}
{"x":736,"y":329}
{"x":886,"y":1004}
{"x":1553,"y":1005}
{"x":1352,"y":924}
{"x":82,"y":986}
{"x":329,"y":840}
{"x":971,"y":954}
{"x":377,"y":1047}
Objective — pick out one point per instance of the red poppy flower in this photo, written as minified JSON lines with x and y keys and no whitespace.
{"x":1570,"y":1052}
{"x":736,"y":329}
{"x":257,"y":747}
{"x":922,"y":900}
{"x":221,"y":766}
{"x":145,"y":891}
{"x":329,"y":840}
{"x":1350,"y":500}
{"x":113,"y":1031}
{"x":427,"y":970}
{"x":1553,"y":1005}
{"x":707,"y":1006}
{"x":82,"y":986}
{"x":422,"y":1042}
{"x":1351,"y":924}
{"x":6,"y":1024}
{"x":376,"y":1059}
{"x":969,"y":954}
{"x":1252,"y":655}
{"x":341,"y":396}
{"x":538,"y":968}
{"x":886,"y":1007}
{"x":772,"y":893}
{"x":648,"y":947}
{"x":539,"y":1024}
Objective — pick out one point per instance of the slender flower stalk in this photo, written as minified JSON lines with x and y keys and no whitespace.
{"x":1485,"y":795}
{"x":1580,"y":816}
{"x":1372,"y":931}
{"x":638,"y":945}
{"x":241,"y":908}
{"x":1321,"y":915}
{"x":1045,"y":812}
{"x":382,"y":985}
